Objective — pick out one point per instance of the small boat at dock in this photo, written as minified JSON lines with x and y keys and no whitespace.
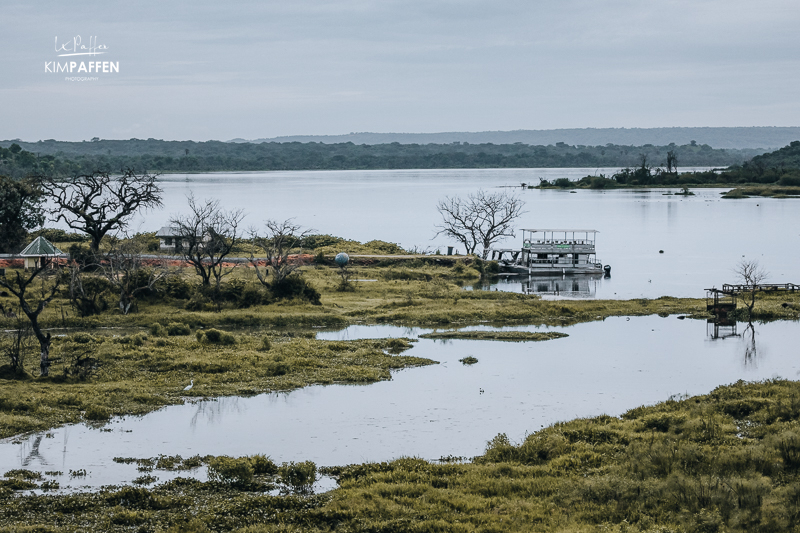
{"x":552,"y":251}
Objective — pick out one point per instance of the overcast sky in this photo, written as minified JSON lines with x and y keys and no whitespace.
{"x":217,"y":70}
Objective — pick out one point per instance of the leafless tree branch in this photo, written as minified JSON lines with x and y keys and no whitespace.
{"x":97,"y":203}
{"x":483,"y":218}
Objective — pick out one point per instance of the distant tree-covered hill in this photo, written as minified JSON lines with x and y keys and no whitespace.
{"x":67,"y":158}
{"x":731,"y":137}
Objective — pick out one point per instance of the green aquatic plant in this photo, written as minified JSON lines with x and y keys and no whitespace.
{"x":299,"y":477}
{"x":237,"y":472}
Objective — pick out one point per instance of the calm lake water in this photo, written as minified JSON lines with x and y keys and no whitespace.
{"x":434,"y":411}
{"x":702,"y":236}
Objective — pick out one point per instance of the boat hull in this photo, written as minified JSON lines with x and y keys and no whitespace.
{"x":553,"y":269}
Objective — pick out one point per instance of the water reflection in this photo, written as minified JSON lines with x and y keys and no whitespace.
{"x":603,"y":367}
{"x":722,"y":328}
{"x":566,"y":286}
{"x":33,"y":456}
{"x":211,"y":411}
{"x":749,"y":344}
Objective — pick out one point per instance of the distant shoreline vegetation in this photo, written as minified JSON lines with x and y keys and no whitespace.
{"x":775,"y":174}
{"x":60,"y":158}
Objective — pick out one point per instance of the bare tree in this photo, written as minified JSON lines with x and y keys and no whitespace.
{"x":481,"y":219}
{"x":97,"y":203}
{"x":672,"y":161}
{"x":206,"y":237}
{"x":32,"y":301}
{"x":280,"y":239}
{"x":128,"y":273}
{"x":751,"y":274}
{"x":17,"y":344}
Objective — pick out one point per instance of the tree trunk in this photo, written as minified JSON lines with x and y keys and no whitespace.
{"x":44,"y":343}
{"x":44,"y":364}
{"x":94,"y":246}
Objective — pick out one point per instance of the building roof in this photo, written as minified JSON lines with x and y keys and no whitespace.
{"x":168,"y":231}
{"x":39,"y":247}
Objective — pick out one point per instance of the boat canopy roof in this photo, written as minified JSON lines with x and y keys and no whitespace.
{"x":563,"y":230}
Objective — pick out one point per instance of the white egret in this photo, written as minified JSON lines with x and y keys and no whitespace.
{"x":189,"y":386}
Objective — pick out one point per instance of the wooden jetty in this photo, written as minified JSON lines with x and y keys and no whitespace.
{"x":722,"y":301}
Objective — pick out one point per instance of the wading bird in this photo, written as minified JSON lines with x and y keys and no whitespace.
{"x":189,"y":386}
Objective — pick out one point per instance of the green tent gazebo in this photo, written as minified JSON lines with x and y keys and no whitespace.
{"x":38,"y":251}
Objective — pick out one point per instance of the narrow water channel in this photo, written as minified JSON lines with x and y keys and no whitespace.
{"x":602,"y":367}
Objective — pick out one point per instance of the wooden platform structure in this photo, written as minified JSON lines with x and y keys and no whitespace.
{"x":763,"y":287}
{"x":722,"y":301}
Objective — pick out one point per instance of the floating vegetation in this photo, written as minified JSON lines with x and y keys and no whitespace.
{"x":496,"y":335}
{"x":165,"y":462}
{"x":469,"y":360}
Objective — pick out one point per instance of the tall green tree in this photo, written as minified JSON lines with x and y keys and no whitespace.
{"x":21,"y":210}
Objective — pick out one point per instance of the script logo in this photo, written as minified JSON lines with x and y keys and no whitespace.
{"x":78,"y":47}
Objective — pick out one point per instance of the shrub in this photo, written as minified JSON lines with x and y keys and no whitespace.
{"x":318,"y":241}
{"x":178,"y":328}
{"x":83,"y":338}
{"x":266,"y":345}
{"x":251,"y":296}
{"x":199,"y":302}
{"x":157,"y":330}
{"x":215,"y":336}
{"x":278,"y":368}
{"x":82,"y":255}
{"x":231,"y":471}
{"x":232,"y":291}
{"x":563,"y":182}
{"x":179,"y":288}
{"x":299,"y":477}
{"x":97,"y":413}
{"x":789,"y":179}
{"x":320,"y":259}
{"x":295,"y":286}
{"x":263,"y":465}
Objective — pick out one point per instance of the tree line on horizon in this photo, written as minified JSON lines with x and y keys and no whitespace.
{"x":50,"y":157}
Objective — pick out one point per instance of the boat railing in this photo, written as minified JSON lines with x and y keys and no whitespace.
{"x":582,"y":242}
{"x":563,"y":261}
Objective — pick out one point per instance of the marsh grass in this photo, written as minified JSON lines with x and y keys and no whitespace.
{"x":725,"y":461}
{"x":139,"y":377}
